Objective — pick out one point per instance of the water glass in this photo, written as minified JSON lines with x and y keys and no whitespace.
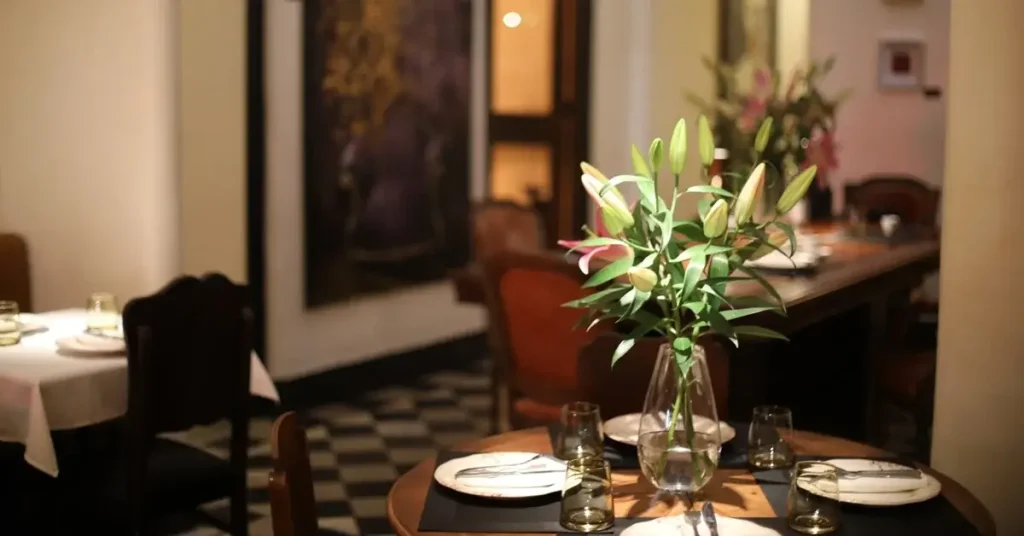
{"x":10,"y":327}
{"x":103,"y":314}
{"x":582,"y":432}
{"x":771,"y":431}
{"x":812,"y":506}
{"x":587,"y":504}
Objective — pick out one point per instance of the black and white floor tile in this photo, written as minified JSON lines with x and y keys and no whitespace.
{"x":358,"y":448}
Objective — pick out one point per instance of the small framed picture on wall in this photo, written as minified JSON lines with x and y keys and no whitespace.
{"x":901,"y":65}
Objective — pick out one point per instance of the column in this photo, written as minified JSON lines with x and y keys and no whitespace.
{"x":979,"y":395}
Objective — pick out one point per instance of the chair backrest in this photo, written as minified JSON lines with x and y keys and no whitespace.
{"x":292,"y":503}
{"x":15,"y":272}
{"x":525,"y":294}
{"x":189,"y":351}
{"x":505,"y":226}
{"x":909,"y":197}
{"x":622,"y":390}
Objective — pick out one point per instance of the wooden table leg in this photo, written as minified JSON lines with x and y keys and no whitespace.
{"x":876,"y":350}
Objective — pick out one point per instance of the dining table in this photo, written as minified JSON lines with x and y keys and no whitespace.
{"x":862,"y":270}
{"x":45,"y":389}
{"x":417,"y":503}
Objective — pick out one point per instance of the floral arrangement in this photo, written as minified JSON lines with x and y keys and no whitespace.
{"x":805,"y":118}
{"x":682,"y":267}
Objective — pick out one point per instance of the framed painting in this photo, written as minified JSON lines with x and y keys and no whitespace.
{"x":386,"y":141}
{"x":747,"y":32}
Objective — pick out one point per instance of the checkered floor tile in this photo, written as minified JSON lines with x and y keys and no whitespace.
{"x":359,"y":448}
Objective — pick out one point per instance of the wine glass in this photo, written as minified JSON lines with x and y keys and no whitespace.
{"x":679,"y":438}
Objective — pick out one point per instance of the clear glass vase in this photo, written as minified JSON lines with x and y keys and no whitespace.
{"x":680,"y":436}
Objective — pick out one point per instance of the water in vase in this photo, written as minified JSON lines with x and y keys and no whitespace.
{"x":679,"y":468}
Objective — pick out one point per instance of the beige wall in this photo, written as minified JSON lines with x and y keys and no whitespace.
{"x":87,"y":152}
{"x":979,"y":391}
{"x":211,"y":136}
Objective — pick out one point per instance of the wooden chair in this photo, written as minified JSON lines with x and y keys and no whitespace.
{"x":909,"y":197}
{"x":189,"y":351}
{"x":536,"y":345}
{"x":15,"y":271}
{"x":500,"y":226}
{"x":622,"y":390}
{"x":292,"y":504}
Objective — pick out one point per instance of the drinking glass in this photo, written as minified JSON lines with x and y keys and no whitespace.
{"x":771,"y":431}
{"x":102,"y":313}
{"x":582,"y":431}
{"x":679,"y":435}
{"x":812,"y":506}
{"x":10,"y":327}
{"x":587,"y":495}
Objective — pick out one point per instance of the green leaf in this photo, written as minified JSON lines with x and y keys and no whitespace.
{"x":763,"y":239}
{"x":788,"y":229}
{"x":758,"y":332}
{"x":639,"y":164}
{"x":615,"y":181}
{"x":644,"y":325}
{"x":648,"y":261}
{"x":608,"y":294}
{"x":626,"y":300}
{"x":708,"y":189}
{"x":703,"y":206}
{"x":692,"y":275}
{"x":656,"y":155}
{"x":639,"y":300}
{"x":621,"y":349}
{"x":719,"y":324}
{"x":733,"y":314}
{"x":682,"y":350}
{"x":667,"y":226}
{"x":764,"y":283}
{"x":705,"y":141}
{"x":763,"y":134}
{"x":610,"y":272}
{"x":696,"y":306}
{"x":677,"y":149}
{"x":691,"y":229}
{"x":596,"y":242}
{"x":701,"y":250}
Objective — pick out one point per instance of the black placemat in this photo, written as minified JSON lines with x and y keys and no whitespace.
{"x":624,"y":457}
{"x":935,"y":517}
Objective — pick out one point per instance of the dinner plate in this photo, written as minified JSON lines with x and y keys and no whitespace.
{"x":675,"y":525}
{"x":626,"y":428}
{"x":508,"y":486}
{"x":90,"y":345}
{"x":867,"y":491}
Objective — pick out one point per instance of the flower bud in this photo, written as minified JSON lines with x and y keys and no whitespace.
{"x":677,"y":148}
{"x":795,"y":191}
{"x":614,"y":211}
{"x":705,"y":141}
{"x":642,"y":279}
{"x":763,"y":133}
{"x":716,"y":221}
{"x":750,"y":195}
{"x":596,"y":173}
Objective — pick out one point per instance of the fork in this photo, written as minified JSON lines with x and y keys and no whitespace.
{"x":491,"y":469}
{"x":878,"y":473}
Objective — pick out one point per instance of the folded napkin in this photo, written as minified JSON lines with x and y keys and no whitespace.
{"x":867,"y":484}
{"x":89,"y":343}
{"x":676,"y":525}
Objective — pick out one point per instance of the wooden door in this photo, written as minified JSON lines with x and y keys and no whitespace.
{"x":538,"y":102}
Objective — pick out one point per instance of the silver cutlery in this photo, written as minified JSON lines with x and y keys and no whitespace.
{"x":879,"y":473}
{"x":497,"y":474}
{"x":493,"y":468}
{"x":708,"y":513}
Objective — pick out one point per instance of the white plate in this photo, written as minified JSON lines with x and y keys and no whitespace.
{"x":675,"y":525}
{"x":503,"y":487}
{"x":90,"y":345}
{"x":879,"y":491}
{"x":801,"y":260}
{"x":31,"y":324}
{"x":626,"y":428}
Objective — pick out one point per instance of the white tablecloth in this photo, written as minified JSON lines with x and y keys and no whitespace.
{"x":41,"y":390}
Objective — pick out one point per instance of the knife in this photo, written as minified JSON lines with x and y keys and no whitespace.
{"x":708,"y":513}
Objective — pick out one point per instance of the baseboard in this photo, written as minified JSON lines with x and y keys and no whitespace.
{"x":348,"y":383}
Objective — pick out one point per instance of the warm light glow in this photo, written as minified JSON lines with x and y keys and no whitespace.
{"x":512,"y":19}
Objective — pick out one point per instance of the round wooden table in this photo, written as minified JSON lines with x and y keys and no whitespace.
{"x":407,"y":496}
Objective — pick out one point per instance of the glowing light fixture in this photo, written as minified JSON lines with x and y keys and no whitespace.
{"x":512,"y":19}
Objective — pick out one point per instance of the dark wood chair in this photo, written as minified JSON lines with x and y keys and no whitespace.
{"x":536,"y":346}
{"x":911,"y":198}
{"x":500,"y":226}
{"x":292,"y":504}
{"x":189,"y":357}
{"x":622,"y":390}
{"x":15,"y":271}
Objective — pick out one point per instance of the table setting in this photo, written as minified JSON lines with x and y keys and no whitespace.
{"x":68,"y":369}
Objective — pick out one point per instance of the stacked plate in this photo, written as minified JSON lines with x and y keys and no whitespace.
{"x":878,"y":491}
{"x":503,"y":475}
{"x":87,"y":344}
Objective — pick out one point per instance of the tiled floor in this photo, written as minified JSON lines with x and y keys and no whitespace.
{"x":359,"y":448}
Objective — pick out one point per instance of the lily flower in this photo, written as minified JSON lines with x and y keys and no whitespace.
{"x":607,"y":253}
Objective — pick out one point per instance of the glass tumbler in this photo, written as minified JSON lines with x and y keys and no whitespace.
{"x":587,"y":504}
{"x":812,"y":506}
{"x":103,"y":314}
{"x":581,"y":433}
{"x":10,"y":326}
{"x":771,"y":430}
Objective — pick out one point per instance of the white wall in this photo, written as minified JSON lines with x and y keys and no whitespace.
{"x":883,"y":132}
{"x":87,"y":152}
{"x":301,"y":342}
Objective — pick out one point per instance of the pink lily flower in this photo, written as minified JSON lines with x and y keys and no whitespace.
{"x":609,"y":253}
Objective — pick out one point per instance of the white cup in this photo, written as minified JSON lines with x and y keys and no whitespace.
{"x":889,"y":223}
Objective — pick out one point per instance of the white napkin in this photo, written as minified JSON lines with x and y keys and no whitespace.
{"x":91,"y":344}
{"x":538,"y":480}
{"x":875,"y":484}
{"x":675,"y":525}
